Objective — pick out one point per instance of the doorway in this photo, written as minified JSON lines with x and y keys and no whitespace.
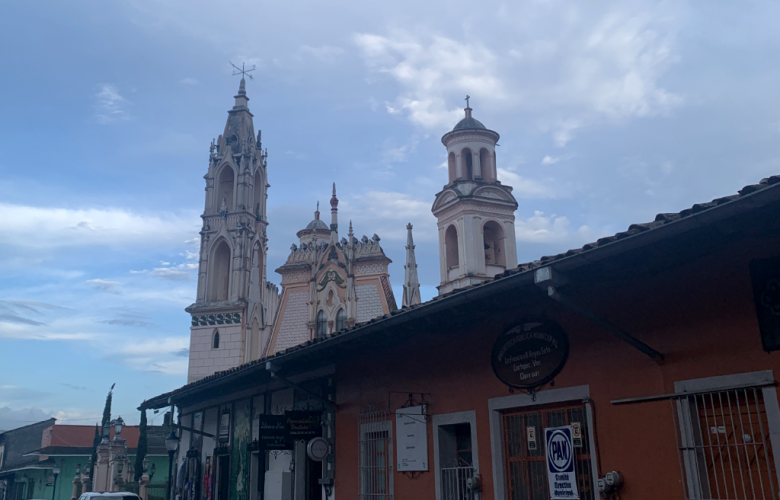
{"x":524,"y":450}
{"x":223,"y":477}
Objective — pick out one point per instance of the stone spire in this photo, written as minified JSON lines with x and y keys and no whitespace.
{"x":334,"y":217}
{"x":411,"y":282}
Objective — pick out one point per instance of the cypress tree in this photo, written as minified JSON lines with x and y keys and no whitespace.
{"x":107,"y":409}
{"x":95,"y":443}
{"x":140,"y":453}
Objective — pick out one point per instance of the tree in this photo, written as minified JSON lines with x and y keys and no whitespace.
{"x":142,"y":448}
{"x":95,"y":443}
{"x":107,"y":409}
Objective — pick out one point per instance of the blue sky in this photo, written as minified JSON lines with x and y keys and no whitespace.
{"x":609,"y":112}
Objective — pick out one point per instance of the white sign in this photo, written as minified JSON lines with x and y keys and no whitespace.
{"x":411,"y":432}
{"x":561,"y":474}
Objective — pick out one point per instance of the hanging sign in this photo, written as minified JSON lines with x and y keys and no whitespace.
{"x":224,"y":426}
{"x":273,"y":433}
{"x":412,"y":438}
{"x":561,"y":474}
{"x":303,"y":424}
{"x":530,"y":354}
{"x":318,"y":449}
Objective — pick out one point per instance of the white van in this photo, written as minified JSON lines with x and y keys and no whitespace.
{"x":109,"y":495}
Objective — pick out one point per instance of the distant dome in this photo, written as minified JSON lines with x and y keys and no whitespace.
{"x":469,"y":123}
{"x":317,"y":224}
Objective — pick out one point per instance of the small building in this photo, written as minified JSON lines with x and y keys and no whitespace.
{"x":31,"y":452}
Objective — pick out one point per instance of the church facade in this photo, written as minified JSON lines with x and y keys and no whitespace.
{"x":328,"y":284}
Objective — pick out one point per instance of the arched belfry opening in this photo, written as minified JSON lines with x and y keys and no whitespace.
{"x":493,"y":238}
{"x":485,"y":165}
{"x":219,"y":274}
{"x":451,"y":248}
{"x":225,"y":191}
{"x":467,"y":162}
{"x":452,"y":168}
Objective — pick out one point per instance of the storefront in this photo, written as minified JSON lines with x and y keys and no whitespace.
{"x":270,"y":441}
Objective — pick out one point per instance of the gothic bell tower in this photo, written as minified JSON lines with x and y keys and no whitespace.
{"x":474,"y":211}
{"x":235,"y":305}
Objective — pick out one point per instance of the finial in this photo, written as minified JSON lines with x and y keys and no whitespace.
{"x":467,"y":100}
{"x":318,"y":206}
{"x":409,"y":226}
{"x":317,"y":212}
{"x":468,"y":108}
{"x":334,"y":202}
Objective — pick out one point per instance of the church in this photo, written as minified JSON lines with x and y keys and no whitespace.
{"x":328,"y":284}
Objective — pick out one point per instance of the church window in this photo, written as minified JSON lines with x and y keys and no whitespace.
{"x":451,"y":247}
{"x":484,"y":165}
{"x":466,"y":162}
{"x":225,"y":188}
{"x":215,"y":340}
{"x":493,"y":238}
{"x":322,"y":324}
{"x":451,"y":168}
{"x":219,"y":279}
{"x":341,"y":320}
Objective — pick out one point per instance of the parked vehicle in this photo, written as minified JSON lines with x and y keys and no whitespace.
{"x":110,"y":495}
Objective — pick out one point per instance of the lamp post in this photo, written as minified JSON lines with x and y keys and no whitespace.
{"x":171,"y":443}
{"x":56,"y":471}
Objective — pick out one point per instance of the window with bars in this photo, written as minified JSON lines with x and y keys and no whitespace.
{"x":724,"y":445}
{"x":376,"y":456}
{"x":524,"y":451}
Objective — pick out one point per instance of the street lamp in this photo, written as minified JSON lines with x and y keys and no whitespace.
{"x":171,"y":443}
{"x":118,"y":423}
{"x":78,"y":470}
{"x":56,"y":471}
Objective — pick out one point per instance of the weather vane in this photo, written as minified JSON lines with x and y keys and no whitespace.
{"x":243,"y":71}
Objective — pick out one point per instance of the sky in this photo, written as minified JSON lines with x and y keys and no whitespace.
{"x":609,"y":113}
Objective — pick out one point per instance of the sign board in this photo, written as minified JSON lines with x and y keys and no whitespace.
{"x":411,"y":432}
{"x":224,"y":426}
{"x":765,"y":277}
{"x":561,"y":474}
{"x":318,"y":449}
{"x":530,"y":354}
{"x":303,"y":424}
{"x":273,"y":432}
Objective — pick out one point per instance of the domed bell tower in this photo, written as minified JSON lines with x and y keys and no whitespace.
{"x":474,"y":211}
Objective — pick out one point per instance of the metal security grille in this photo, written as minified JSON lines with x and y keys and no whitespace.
{"x":376,"y":455}
{"x":526,"y":465}
{"x":724,"y":447}
{"x":454,"y":483}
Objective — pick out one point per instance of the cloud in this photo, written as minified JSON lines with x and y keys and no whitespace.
{"x":325,"y":53}
{"x":74,"y":387}
{"x":11,"y":418}
{"x":105,"y":286}
{"x":11,"y":393}
{"x":429,"y":70}
{"x":525,"y":188}
{"x":182,"y":353}
{"x":542,"y":229}
{"x":110,"y":106}
{"x":11,"y":318}
{"x":189,"y":81}
{"x":134,"y":323}
{"x":50,"y":228}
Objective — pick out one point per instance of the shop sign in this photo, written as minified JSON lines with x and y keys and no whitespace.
{"x":412,"y":438}
{"x":303,"y":424}
{"x":530,"y":354}
{"x":224,"y":426}
{"x":561,"y":474}
{"x":273,"y":433}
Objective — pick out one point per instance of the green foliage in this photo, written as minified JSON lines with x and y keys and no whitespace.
{"x":95,"y":443}
{"x":142,"y":448}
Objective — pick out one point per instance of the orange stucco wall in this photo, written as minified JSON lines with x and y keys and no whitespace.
{"x":700,"y":315}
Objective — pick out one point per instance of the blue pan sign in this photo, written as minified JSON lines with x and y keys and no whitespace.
{"x":561,"y":474}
